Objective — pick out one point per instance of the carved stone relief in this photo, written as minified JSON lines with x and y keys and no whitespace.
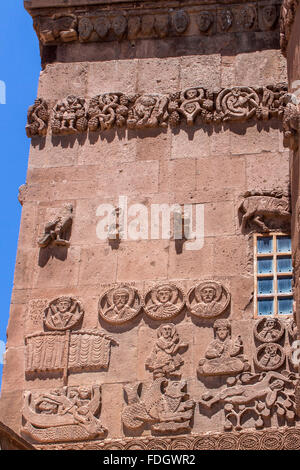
{"x":37,"y":118}
{"x":165,"y":405}
{"x":120,"y":304}
{"x":193,"y":105}
{"x":57,"y":231}
{"x":268,"y":330}
{"x":63,"y":313}
{"x":287,"y":17}
{"x":255,"y":396}
{"x":128,"y":23}
{"x":164,"y":301}
{"x":224,"y":356}
{"x":69,"y":116}
{"x":165,"y":359}
{"x":269,"y":16}
{"x":60,"y":415}
{"x":208,"y":299}
{"x":205,"y":21}
{"x":261,"y":209}
{"x":64,"y":348}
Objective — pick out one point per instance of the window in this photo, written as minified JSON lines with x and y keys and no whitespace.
{"x":272,"y":275}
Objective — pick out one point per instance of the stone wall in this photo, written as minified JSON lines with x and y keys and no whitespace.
{"x":211,"y":163}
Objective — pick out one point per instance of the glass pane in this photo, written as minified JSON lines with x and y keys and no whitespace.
{"x":284,"y":264}
{"x":284,"y":285}
{"x":285,"y":306}
{"x":283,"y":244}
{"x":265,"y":265}
{"x":264,"y":244}
{"x":265,"y":306}
{"x":265,"y":286}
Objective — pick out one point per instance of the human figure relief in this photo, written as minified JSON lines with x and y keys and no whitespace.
{"x":268,"y":330}
{"x":165,"y":358}
{"x":224,"y":355}
{"x":55,"y":415}
{"x":164,"y":301}
{"x":269,"y":356}
{"x":259,"y":395}
{"x":208,"y":299}
{"x":119,"y":304}
{"x":63,"y":313}
{"x":56,"y":231}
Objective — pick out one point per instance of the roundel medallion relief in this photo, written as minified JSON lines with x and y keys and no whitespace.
{"x":63,"y":313}
{"x":208,"y":299}
{"x":164,"y":301}
{"x":268,"y":330}
{"x":119,"y":304}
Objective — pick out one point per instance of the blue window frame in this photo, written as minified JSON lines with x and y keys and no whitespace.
{"x":273,"y":275}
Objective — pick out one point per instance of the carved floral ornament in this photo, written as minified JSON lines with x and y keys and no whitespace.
{"x":192,"y":106}
{"x":271,"y":439}
{"x":66,"y":27}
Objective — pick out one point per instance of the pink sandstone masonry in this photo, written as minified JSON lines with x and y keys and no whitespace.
{"x":123,"y":343}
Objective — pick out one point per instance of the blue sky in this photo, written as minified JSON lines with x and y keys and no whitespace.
{"x":19,"y":69}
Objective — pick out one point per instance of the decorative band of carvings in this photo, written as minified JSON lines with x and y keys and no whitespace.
{"x":287,"y":17}
{"x":122,"y":21}
{"x":192,"y":106}
{"x":287,"y":439}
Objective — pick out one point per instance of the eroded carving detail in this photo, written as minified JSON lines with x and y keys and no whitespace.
{"x":208,"y":299}
{"x":165,"y":405}
{"x":247,"y":16}
{"x":268,"y":330}
{"x":59,"y":27}
{"x":258,"y":396}
{"x":269,"y":356}
{"x":136,"y":111}
{"x":120,"y":304}
{"x":62,"y":415}
{"x":224,"y":355}
{"x":287,"y":17}
{"x":259,"y":209}
{"x":204,"y":21}
{"x":225,"y":19}
{"x":269,"y":16}
{"x":63,"y":313}
{"x":57,"y":231}
{"x":164,"y":301}
{"x":69,"y":116}
{"x":165,"y":358}
{"x":37,"y":118}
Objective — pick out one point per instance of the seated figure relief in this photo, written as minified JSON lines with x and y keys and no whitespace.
{"x":208,"y":299}
{"x":165,"y":359}
{"x":63,"y":313}
{"x":119,"y":304}
{"x":223,"y":355}
{"x":164,"y":301}
{"x":57,"y":231}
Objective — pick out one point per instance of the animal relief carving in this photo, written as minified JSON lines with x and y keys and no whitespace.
{"x":62,"y":415}
{"x":264,"y":210}
{"x":165,"y":405}
{"x":57,"y":231}
{"x":224,"y":355}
